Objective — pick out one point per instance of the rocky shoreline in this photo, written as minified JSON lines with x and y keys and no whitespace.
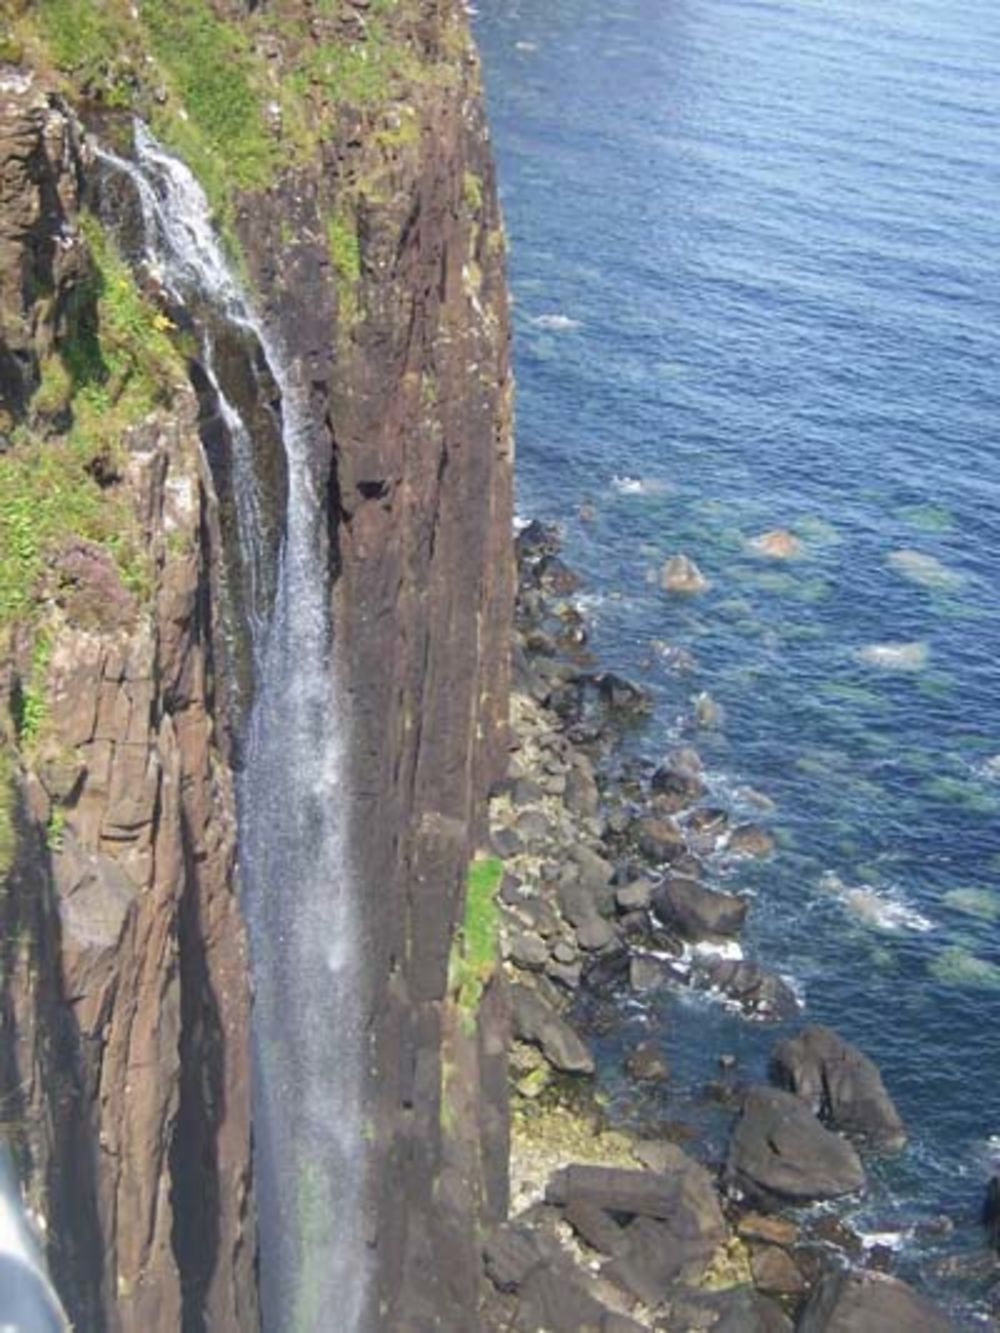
{"x":606,"y":896}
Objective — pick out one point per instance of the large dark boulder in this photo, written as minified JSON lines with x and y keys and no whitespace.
{"x":846,"y":1302}
{"x":698,"y":913}
{"x":841,"y":1085}
{"x":759,"y":993}
{"x":780,"y":1153}
{"x":536,"y":1022}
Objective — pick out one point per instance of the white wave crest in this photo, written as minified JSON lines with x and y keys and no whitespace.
{"x":555,"y":323}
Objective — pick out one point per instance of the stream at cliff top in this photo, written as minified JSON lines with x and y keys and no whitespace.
{"x":295,"y":858}
{"x":754,"y":263}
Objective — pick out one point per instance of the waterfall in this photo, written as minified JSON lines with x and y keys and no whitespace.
{"x":298,"y":886}
{"x":28,"y":1302}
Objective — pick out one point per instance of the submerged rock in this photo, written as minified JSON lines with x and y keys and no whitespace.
{"x":840,"y":1084}
{"x":647,"y":1064}
{"x":779,"y":1152}
{"x":681,"y":575}
{"x":895,"y":656}
{"x":749,"y":840}
{"x":707,"y":713}
{"x":778,"y":544}
{"x":846,"y":1302}
{"x":927,"y":570}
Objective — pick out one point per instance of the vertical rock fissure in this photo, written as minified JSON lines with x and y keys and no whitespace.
{"x":298,"y":883}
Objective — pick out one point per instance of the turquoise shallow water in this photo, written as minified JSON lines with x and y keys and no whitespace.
{"x":755,"y":269}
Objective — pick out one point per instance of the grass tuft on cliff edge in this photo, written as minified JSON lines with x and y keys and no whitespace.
{"x":112,"y":366}
{"x":474,"y":951}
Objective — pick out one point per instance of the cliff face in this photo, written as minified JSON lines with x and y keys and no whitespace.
{"x":377,"y":254}
{"x":125,"y":987}
{"x":408,"y":362}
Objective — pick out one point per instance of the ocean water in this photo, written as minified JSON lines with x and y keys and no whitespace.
{"x":755,"y":266}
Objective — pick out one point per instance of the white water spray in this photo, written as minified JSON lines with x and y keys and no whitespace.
{"x":28,"y":1302}
{"x":299,"y":889}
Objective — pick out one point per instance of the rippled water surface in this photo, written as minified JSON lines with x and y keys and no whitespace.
{"x":754,"y":256}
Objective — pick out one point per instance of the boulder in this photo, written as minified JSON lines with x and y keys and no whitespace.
{"x":535,"y":540}
{"x":749,"y":840}
{"x":676,"y":1239}
{"x":596,"y":1228}
{"x":553,"y":1300}
{"x":635,"y":896}
{"x":658,"y":839}
{"x":779,"y":1152}
{"x":510,"y":1254}
{"x":537,"y":1023}
{"x":737,"y":1309}
{"x":848,"y":1302}
{"x":595,"y":934}
{"x":648,"y":973}
{"x":675,"y":788}
{"x":840,"y":1084}
{"x":775,"y":1271}
{"x":682,"y":576}
{"x":681,"y":1194}
{"x":582,"y":796}
{"x":759,"y":993}
{"x":619,"y":695}
{"x":698,"y":913}
{"x":528,"y":951}
{"x":707,"y":713}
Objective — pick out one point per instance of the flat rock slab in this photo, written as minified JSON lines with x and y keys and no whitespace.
{"x":698,"y":913}
{"x":840,"y":1084}
{"x":848,"y":1302}
{"x":779,"y":1152}
{"x":616,"y":1190}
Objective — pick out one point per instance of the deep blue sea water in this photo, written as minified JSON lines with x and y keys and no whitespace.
{"x":754,"y":254}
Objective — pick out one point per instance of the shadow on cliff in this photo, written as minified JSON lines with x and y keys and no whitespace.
{"x":42,"y":1064}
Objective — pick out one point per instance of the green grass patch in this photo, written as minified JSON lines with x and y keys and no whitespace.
{"x":345,"y":254}
{"x":113,"y":365}
{"x":221,"y":84}
{"x":472,"y":191}
{"x":474,"y":951}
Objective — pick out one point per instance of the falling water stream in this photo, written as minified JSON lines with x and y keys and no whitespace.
{"x":294,"y":816}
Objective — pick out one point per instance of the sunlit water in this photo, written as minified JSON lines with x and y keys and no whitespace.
{"x":755,"y":269}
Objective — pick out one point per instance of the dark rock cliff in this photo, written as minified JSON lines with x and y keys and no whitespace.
{"x":375,"y":247}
